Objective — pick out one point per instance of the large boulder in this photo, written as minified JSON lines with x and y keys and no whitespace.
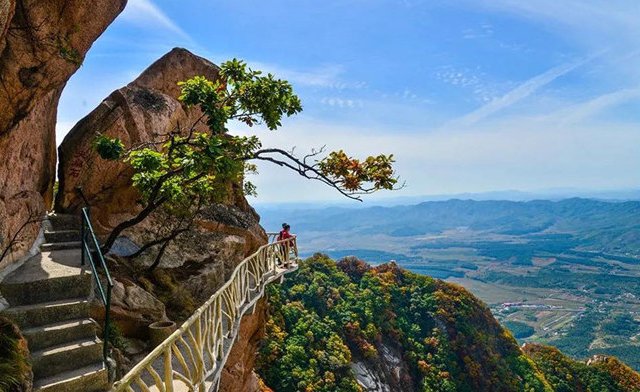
{"x":145,"y":111}
{"x":132,"y":309}
{"x":42,"y":43}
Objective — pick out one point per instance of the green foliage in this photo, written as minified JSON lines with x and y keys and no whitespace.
{"x":449,"y":340}
{"x":193,"y":163}
{"x":194,"y":167}
{"x":108,"y":148}
{"x":116,"y":338}
{"x":622,"y":324}
{"x":67,"y":51}
{"x":14,"y":357}
{"x":567,"y":375}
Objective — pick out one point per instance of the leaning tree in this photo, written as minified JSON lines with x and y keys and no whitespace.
{"x":191,"y":168}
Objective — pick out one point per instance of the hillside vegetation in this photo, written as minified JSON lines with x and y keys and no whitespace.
{"x":328,"y":320}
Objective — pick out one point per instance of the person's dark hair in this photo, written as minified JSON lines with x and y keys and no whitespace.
{"x":286,"y":226}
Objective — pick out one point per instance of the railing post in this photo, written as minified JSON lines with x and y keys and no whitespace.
{"x":82,"y":239}
{"x":287,"y":251}
{"x":106,"y":324}
{"x":168,"y":370}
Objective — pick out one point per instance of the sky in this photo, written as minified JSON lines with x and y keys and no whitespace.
{"x":469,"y":95}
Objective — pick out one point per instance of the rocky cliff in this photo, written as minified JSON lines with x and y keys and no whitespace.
{"x":199,"y":261}
{"x":42,"y":43}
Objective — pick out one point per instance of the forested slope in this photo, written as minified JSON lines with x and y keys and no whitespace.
{"x":350,"y":327}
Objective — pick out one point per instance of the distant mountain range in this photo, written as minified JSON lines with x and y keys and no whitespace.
{"x":554,"y":194}
{"x":604,"y":226}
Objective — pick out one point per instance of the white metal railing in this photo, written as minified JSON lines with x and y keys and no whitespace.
{"x":192,"y":358}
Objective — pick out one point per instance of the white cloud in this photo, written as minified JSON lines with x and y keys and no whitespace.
{"x":596,"y":23}
{"x":473,"y":81}
{"x":146,"y":13}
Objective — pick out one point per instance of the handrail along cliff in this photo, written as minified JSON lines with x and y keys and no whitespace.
{"x":192,"y":357}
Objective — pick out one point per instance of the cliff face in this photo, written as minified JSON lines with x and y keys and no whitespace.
{"x":351,"y":327}
{"x":41,"y":46}
{"x":238,"y":374}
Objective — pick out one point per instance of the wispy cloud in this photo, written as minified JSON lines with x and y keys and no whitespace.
{"x":485,"y":30}
{"x":519,"y":93}
{"x":327,"y":76}
{"x":585,"y":110}
{"x":592,"y":22}
{"x":146,"y":13}
{"x":472,"y":80}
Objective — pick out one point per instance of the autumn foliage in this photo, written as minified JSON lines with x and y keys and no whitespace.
{"x":328,"y":315}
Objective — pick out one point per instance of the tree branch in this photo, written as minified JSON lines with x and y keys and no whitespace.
{"x":14,"y":239}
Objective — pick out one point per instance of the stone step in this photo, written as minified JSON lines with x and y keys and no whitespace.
{"x":62,"y":236}
{"x":64,"y":221}
{"x":48,"y":335}
{"x":65,"y":357}
{"x":48,"y":313}
{"x":92,"y":378}
{"x":60,"y":245}
{"x":46,"y":277}
{"x":47,"y":290}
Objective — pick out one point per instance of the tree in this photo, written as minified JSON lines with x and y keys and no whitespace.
{"x":194,"y":167}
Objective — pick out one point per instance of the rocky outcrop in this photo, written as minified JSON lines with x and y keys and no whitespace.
{"x":42,"y":43}
{"x":132,"y":309}
{"x":145,"y":110}
{"x":389,"y":373}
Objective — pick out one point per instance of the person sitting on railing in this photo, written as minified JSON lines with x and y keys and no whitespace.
{"x":285,"y":234}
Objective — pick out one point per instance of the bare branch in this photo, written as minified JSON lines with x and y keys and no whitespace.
{"x":34,"y":217}
{"x":303,"y":168}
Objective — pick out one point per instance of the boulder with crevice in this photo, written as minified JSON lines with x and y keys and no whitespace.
{"x":42,"y":43}
{"x":144,"y":111}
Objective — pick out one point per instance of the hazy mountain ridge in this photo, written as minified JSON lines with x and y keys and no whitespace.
{"x":595,"y":225}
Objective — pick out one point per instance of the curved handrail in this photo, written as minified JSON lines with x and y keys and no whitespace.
{"x":202,"y":343}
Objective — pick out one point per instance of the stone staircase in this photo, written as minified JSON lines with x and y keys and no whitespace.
{"x":49,"y":299}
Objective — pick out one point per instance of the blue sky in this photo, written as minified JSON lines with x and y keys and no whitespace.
{"x":470,"y":95}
